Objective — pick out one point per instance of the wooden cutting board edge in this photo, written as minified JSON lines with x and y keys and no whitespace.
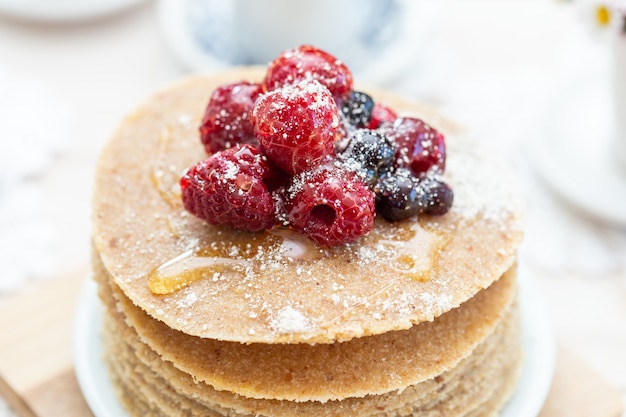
{"x":39,"y":381}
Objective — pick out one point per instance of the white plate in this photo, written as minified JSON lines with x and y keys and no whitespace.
{"x":573,"y":153}
{"x":538,"y":367}
{"x":539,"y":353}
{"x":203,"y":35}
{"x":63,"y":10}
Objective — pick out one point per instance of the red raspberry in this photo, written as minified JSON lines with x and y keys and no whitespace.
{"x":381,"y":114}
{"x":296,"y":125}
{"x":308,"y":62}
{"x":330,"y":205}
{"x":228,"y":189}
{"x":226,"y":119}
{"x":418,"y":146}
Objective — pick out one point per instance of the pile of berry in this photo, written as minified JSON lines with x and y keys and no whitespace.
{"x":303,"y":150}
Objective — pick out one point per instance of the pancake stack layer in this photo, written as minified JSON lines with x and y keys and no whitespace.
{"x":418,"y":318}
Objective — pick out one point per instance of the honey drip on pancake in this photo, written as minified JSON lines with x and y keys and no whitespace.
{"x":416,"y":250}
{"x":163,"y":175}
{"x":185,"y":269}
{"x":206,"y":262}
{"x":237,"y":256}
{"x":410,"y":250}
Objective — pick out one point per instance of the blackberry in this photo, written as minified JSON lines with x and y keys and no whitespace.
{"x":436,"y":196}
{"x":357,"y":109}
{"x":370,"y":153}
{"x":398,"y":195}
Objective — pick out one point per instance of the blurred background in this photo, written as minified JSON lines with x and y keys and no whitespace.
{"x":537,"y":81}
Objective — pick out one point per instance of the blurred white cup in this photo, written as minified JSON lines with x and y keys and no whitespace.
{"x":267,"y":27}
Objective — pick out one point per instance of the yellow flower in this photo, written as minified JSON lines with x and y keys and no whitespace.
{"x":603,"y":15}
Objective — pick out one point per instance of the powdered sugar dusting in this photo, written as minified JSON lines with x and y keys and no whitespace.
{"x":231,"y":170}
{"x":440,"y":302}
{"x":188,"y":300}
{"x":289,"y":320}
{"x":185,"y":121}
{"x":483,"y":186}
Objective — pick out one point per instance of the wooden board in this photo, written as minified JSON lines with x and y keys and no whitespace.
{"x":37,"y":376}
{"x":36,"y":349}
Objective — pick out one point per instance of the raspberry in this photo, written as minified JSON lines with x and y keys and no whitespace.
{"x":331,"y":206}
{"x":226,"y":119}
{"x":228,"y":189}
{"x":381,"y":114}
{"x":308,"y":62}
{"x":419,"y":146}
{"x":296,"y":125}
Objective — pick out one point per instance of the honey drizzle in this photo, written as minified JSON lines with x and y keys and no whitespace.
{"x":210,"y":261}
{"x":186,"y":269}
{"x":413,"y":252}
{"x":158,"y":171}
{"x":417,"y":250}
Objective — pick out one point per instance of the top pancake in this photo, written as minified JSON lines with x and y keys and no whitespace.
{"x":277,"y":287}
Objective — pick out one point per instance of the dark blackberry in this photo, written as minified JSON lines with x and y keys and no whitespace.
{"x":357,"y":109}
{"x":370,"y":153}
{"x":436,"y":196}
{"x":398,"y":195}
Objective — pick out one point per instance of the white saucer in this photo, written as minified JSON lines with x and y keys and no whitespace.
{"x":202,"y":34}
{"x":63,"y":10}
{"x":573,"y":152}
{"x":538,"y":367}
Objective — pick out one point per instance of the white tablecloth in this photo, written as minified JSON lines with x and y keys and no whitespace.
{"x":492,"y":65}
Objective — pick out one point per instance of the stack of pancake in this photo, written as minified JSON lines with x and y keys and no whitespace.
{"x":418,"y":318}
